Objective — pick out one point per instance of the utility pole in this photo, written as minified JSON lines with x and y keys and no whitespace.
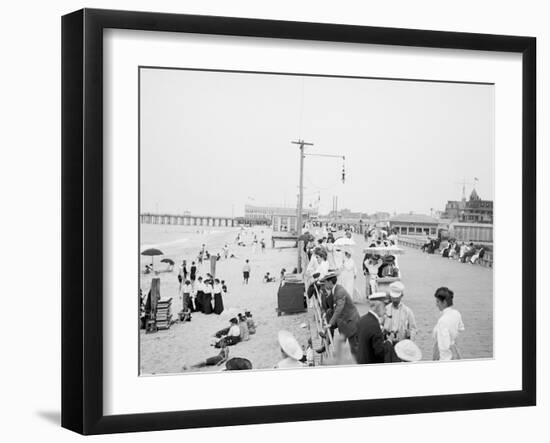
{"x":301,"y":144}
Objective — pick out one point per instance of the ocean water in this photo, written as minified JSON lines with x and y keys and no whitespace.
{"x":184,"y":242}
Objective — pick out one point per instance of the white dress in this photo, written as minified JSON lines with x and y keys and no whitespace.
{"x":348,"y":272}
{"x":445,"y":334}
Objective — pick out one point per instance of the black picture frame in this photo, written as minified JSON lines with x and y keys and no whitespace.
{"x":82,"y":220}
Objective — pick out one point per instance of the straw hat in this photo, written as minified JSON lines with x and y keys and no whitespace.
{"x":396,"y":289}
{"x":290,"y":345}
{"x":407,"y":350}
{"x":329,"y":275}
{"x":378,"y":296}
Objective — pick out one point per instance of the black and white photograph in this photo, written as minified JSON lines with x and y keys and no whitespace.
{"x":294,"y":220}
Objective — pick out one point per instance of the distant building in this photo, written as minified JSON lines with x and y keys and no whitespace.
{"x":282,"y":219}
{"x":380,"y":216}
{"x":414,"y":224}
{"x":472,"y":232}
{"x":474,"y":210}
{"x":347,"y":214}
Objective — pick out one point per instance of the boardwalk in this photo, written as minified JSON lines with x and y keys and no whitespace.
{"x":473,"y":288}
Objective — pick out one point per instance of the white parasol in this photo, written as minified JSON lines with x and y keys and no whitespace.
{"x":384,"y":250}
{"x":344,"y":241}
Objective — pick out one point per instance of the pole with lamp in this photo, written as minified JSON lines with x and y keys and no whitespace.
{"x":301,"y":143}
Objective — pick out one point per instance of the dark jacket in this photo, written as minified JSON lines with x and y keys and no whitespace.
{"x":345,"y":315}
{"x":371,"y":340}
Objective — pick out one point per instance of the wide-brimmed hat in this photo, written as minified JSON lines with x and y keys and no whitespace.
{"x":290,"y":345}
{"x":396,"y":289}
{"x":238,"y":364}
{"x":328,"y":276}
{"x":388,"y":258}
{"x":407,"y":350}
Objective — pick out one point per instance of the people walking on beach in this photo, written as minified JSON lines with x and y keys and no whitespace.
{"x":225,"y":251}
{"x":262,"y":244}
{"x":447,"y":328}
{"x":246,"y":272}
{"x":218,"y":299}
{"x":187,"y":291}
{"x":291,"y":351}
{"x":183,"y":270}
{"x":345,"y":316}
{"x":193,"y":272}
{"x":399,"y":323}
{"x":224,"y":288}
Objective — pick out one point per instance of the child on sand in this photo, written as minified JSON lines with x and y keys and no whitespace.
{"x":243,"y":326}
{"x":250,"y":323}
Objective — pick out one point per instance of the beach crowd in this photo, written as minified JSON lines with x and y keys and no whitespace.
{"x":385,"y":334}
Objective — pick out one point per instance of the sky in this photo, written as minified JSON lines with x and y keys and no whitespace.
{"x":211,"y":142}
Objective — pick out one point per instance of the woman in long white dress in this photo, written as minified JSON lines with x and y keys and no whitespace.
{"x":348,"y":274}
{"x":330,"y":253}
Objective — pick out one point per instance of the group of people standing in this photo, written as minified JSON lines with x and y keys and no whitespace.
{"x":322,"y":260}
{"x":387,"y":332}
{"x":204,"y":296}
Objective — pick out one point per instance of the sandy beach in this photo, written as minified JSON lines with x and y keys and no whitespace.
{"x":187,"y":343}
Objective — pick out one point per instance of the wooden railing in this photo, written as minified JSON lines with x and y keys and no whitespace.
{"x":319,"y":316}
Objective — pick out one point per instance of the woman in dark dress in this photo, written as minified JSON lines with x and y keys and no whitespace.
{"x":207,"y":300}
{"x":193,"y":273}
{"x":184,"y":269}
{"x":218,"y":300}
{"x":199,"y":299}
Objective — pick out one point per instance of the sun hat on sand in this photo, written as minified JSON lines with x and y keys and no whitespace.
{"x":290,"y":345}
{"x":407,"y":350}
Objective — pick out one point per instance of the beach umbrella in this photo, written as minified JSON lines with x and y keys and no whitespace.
{"x":168,"y":260}
{"x":151,"y":252}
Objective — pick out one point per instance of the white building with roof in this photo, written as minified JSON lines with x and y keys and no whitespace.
{"x":414,"y":224}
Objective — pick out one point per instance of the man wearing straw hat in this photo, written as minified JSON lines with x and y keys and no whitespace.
{"x":345,"y":316}
{"x":291,"y":351}
{"x":400,"y":323}
{"x":372,"y":345}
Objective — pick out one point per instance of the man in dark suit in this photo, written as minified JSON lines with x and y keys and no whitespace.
{"x":345,"y":316}
{"x":372,"y":346}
